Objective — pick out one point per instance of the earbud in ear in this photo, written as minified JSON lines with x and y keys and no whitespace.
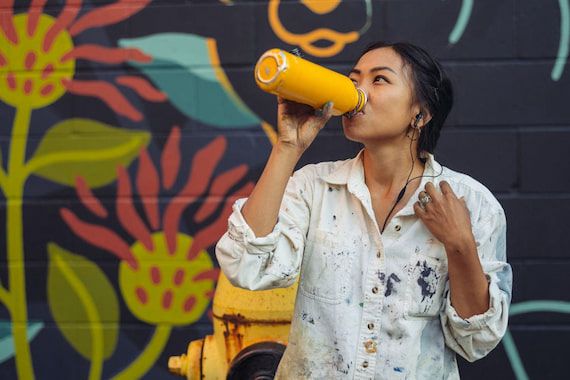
{"x":417,"y":120}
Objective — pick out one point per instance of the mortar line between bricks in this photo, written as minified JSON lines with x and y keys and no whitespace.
{"x":532,"y":195}
{"x":136,"y":197}
{"x":87,"y":68}
{"x":86,"y":324}
{"x":507,"y":128}
{"x":539,"y":326}
{"x":534,"y":260}
{"x":253,"y":132}
{"x":47,"y":199}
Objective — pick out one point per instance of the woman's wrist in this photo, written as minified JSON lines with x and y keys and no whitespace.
{"x":461,"y":245}
{"x":287,"y":151}
{"x":468,"y":284}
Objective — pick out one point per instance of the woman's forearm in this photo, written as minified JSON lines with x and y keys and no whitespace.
{"x":262,"y":207}
{"x":468,"y":285}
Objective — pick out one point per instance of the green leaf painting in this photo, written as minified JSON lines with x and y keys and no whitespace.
{"x":83,"y":303}
{"x":197,"y":86}
{"x":90,"y":149}
{"x":7,"y":340}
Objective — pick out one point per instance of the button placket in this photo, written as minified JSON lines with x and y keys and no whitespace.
{"x":372,"y":304}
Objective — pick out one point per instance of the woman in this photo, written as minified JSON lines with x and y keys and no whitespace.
{"x":402,"y":262}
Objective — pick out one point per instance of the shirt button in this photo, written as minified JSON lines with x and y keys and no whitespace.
{"x":398,"y":227}
{"x":375,"y":290}
{"x":370,"y":346}
{"x":365,"y":364}
{"x":371,"y":326}
{"x":379,"y":254}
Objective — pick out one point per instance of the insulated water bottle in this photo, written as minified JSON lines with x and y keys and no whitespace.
{"x":294,"y":78}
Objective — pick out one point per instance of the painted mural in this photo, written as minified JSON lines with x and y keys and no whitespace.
{"x":128,"y":129}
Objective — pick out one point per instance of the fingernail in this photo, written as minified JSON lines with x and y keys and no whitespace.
{"x":329,"y":106}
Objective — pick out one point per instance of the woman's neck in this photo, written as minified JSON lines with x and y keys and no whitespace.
{"x":386,"y":168}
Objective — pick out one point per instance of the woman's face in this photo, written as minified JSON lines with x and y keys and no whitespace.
{"x":389,"y":111}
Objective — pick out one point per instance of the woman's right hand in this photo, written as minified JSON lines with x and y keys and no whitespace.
{"x":298,"y":124}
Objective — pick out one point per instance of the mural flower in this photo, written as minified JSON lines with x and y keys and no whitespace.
{"x":38,"y":57}
{"x":166,"y":276}
{"x":37,"y":67}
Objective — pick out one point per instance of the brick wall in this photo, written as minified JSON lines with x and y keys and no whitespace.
{"x":509,"y":128}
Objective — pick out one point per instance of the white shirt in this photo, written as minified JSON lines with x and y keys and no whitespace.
{"x":370,"y":305}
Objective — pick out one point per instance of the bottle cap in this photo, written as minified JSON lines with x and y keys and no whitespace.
{"x":270,"y":65}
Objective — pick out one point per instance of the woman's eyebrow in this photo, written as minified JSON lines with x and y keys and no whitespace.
{"x":374,"y":69}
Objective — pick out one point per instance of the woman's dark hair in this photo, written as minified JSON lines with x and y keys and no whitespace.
{"x":432,"y":88}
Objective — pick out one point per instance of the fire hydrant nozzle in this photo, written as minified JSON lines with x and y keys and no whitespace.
{"x":178,"y":364}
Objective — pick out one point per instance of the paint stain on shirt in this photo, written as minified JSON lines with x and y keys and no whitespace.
{"x":306,"y":317}
{"x":392,"y":280}
{"x":339,"y":364}
{"x":427,"y":280}
{"x":381,"y":277}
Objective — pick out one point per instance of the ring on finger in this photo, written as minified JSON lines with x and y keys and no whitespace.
{"x":424,"y":199}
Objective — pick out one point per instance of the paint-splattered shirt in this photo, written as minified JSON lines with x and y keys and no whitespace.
{"x":370,"y":305}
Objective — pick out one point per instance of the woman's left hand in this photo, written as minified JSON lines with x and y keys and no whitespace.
{"x":446,"y":216}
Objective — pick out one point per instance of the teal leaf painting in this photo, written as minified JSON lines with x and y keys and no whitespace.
{"x":562,"y":55}
{"x":7,"y":341}
{"x":535,"y":306}
{"x":462,"y":21}
{"x":187,"y":68}
{"x":563,"y":46}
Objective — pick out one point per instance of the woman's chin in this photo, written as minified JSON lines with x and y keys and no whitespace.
{"x":351,"y":132}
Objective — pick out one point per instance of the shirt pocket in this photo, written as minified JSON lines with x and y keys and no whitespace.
{"x":327,"y":268}
{"x":427,"y":276}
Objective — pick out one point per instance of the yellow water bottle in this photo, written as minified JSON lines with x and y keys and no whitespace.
{"x":294,"y":78}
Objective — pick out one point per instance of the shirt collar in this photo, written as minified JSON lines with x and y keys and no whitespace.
{"x":432,"y":173}
{"x":351,"y":173}
{"x":348,"y":171}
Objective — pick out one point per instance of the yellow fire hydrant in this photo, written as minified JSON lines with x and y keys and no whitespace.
{"x":251,"y":329}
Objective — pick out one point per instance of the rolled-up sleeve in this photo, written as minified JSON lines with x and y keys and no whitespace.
{"x":272,"y":261}
{"x":475,"y":337}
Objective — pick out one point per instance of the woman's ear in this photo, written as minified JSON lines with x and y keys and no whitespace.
{"x":422,"y":118}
